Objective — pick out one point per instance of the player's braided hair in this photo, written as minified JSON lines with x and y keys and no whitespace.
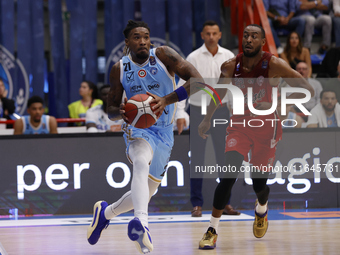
{"x":131,"y":25}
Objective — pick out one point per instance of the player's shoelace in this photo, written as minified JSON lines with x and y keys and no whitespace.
{"x":208,"y":235}
{"x":260,"y":222}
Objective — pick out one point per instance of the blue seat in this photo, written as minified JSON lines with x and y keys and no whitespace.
{"x":317,"y":58}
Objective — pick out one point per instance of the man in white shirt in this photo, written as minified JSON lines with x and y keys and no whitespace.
{"x":207,"y":60}
{"x":326,"y":113}
{"x":97,"y":120}
{"x":303,"y":69}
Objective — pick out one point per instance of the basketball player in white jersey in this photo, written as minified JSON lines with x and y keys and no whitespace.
{"x":36,"y":122}
{"x":143,"y":71}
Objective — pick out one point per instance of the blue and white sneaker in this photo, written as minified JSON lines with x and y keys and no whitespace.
{"x":140,"y":235}
{"x":99,"y":222}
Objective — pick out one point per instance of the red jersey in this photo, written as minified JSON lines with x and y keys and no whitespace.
{"x":262,"y":92}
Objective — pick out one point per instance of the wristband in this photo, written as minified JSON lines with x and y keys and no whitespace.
{"x":181,"y":93}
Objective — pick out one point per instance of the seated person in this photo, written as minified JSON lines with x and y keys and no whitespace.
{"x":333,"y":83}
{"x":295,"y":53}
{"x":303,"y":69}
{"x":281,"y":15}
{"x":89,"y":98}
{"x":292,"y":120}
{"x":326,"y":113}
{"x":330,"y":64}
{"x":336,"y":21}
{"x":97,"y":119}
{"x":7,"y":105}
{"x":36,"y":122}
{"x":312,"y":13}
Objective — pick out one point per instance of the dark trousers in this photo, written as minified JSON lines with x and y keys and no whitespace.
{"x":198,"y":150}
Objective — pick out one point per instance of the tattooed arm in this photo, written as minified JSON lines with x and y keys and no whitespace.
{"x":115,"y":109}
{"x":175,"y":64}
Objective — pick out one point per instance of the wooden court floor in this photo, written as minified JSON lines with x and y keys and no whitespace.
{"x":307,"y":236}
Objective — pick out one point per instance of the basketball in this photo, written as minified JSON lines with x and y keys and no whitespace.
{"x":138,"y":111}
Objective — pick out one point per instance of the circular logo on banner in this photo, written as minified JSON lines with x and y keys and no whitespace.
{"x":15,"y":78}
{"x":117,"y":53}
{"x":142,"y":73}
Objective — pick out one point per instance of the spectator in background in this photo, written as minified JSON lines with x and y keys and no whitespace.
{"x":336,"y":21}
{"x":303,"y":69}
{"x":207,"y":60}
{"x":326,"y":113}
{"x":89,"y":98}
{"x":295,"y":53}
{"x":291,"y":119}
{"x":281,"y":15}
{"x":333,"y":83}
{"x":7,"y":106}
{"x":36,"y":122}
{"x":97,"y":119}
{"x":312,"y":13}
{"x":329,"y":65}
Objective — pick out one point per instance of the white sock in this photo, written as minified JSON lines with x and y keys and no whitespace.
{"x":142,"y":188}
{"x":124,"y":204}
{"x":214,"y":223}
{"x":141,"y":155}
{"x":261,"y":209}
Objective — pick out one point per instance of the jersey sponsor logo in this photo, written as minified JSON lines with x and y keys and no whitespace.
{"x":153,"y":70}
{"x":141,"y":73}
{"x":118,"y":52}
{"x":264,"y":64}
{"x":152,"y":60}
{"x":238,"y":67}
{"x":260,"y":80}
{"x":130,"y":76}
{"x":236,"y":75}
{"x":239,"y":82}
{"x":154,"y":86}
{"x":257,"y":97}
{"x":251,"y":81}
{"x":15,"y":79}
{"x":136,"y":89}
{"x":232,"y":142}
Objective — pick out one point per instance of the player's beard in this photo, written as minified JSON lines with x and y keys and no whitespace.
{"x":329,"y":108}
{"x":251,"y":54}
{"x":142,"y":55}
{"x":37,"y":120}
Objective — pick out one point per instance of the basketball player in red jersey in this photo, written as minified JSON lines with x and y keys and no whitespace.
{"x":259,"y":70}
